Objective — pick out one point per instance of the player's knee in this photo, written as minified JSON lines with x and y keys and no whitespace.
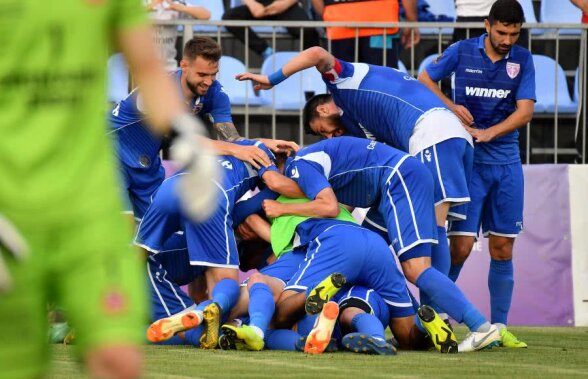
{"x":460,"y":250}
{"x":256,"y":278}
{"x":501,"y":248}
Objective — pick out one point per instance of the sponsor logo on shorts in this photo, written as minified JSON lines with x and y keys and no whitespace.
{"x":226,"y":164}
{"x":294,"y":173}
{"x":428,"y":155}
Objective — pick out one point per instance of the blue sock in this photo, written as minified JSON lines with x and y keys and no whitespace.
{"x":261,"y":306}
{"x":449,"y":297}
{"x":441,"y":261}
{"x":368,"y":324}
{"x":305,"y":324}
{"x":193,"y":336}
{"x":440,"y":256}
{"x":226,"y":293}
{"x":500,"y":283}
{"x":281,"y":339}
{"x":454,"y":271}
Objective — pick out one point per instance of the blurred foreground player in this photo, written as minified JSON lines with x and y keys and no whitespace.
{"x":58,"y":191}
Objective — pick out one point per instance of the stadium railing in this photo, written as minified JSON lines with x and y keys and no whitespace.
{"x":554,"y":135}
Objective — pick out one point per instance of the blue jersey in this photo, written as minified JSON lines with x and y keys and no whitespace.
{"x":488,"y":90}
{"x":137,"y":146}
{"x":355,"y":168}
{"x":378,"y":102}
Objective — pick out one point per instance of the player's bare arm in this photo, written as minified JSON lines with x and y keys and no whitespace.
{"x":250,"y":154}
{"x":517,"y":119}
{"x":325,"y":205}
{"x":282,"y":185}
{"x":311,"y":57}
{"x":227,"y":131}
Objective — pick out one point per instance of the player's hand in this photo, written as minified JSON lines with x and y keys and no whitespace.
{"x":12,"y":244}
{"x":463,"y":114}
{"x":196,"y":189}
{"x":280,"y":146}
{"x":246,"y":233}
{"x":252,"y":155}
{"x":410,"y":37}
{"x":272,"y":208}
{"x":277,"y":7}
{"x":481,"y":135}
{"x":262,"y":81}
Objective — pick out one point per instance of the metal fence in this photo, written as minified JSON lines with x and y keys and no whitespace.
{"x":551,"y":137}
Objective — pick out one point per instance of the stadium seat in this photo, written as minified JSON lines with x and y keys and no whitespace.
{"x":530,"y":17}
{"x":560,"y":11}
{"x":438,"y":8}
{"x":216,"y":8}
{"x":289,"y":95}
{"x":577,"y":86}
{"x":545,"y":87}
{"x":240,"y":93}
{"x":425,"y":62}
{"x":260,"y":29}
{"x":118,"y":78}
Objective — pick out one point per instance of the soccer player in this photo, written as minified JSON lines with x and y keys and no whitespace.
{"x":138,"y":147}
{"x":59,"y":184}
{"x":392,"y":107}
{"x":493,"y":96}
{"x":211,"y":243}
{"x":362,"y":173}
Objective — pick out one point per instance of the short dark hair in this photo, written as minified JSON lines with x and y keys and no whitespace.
{"x":204,"y":47}
{"x":506,"y":12}
{"x":309,"y":112}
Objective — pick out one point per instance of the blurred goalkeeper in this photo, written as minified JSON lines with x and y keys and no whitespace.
{"x":62,"y":237}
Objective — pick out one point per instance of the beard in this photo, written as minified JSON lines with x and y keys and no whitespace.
{"x":194,"y":89}
{"x":500,"y":49}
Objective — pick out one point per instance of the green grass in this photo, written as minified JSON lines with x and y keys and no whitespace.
{"x":552,"y":352}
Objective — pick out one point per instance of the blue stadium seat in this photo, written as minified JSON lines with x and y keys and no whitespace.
{"x":425,"y":62}
{"x":530,"y":17}
{"x":560,"y":11}
{"x":260,"y":29}
{"x":118,"y":78}
{"x":289,"y":95}
{"x":240,"y":93}
{"x":438,"y":8}
{"x":545,"y":87}
{"x":216,"y":8}
{"x":577,"y":86}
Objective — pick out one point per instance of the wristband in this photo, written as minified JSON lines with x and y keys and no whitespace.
{"x":277,"y":77}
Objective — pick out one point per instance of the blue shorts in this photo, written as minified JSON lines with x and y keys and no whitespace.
{"x":371,"y":302}
{"x":360,"y":255}
{"x":140,"y":184}
{"x":497,"y":193}
{"x":285,"y":266}
{"x":210,"y":243}
{"x":406,"y":206}
{"x":167,"y":298}
{"x":450,"y":163}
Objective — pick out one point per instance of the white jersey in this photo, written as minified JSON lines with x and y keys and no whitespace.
{"x":473,"y":8}
{"x":166,"y":35}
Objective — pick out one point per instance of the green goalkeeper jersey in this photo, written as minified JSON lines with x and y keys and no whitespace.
{"x":55,"y":157}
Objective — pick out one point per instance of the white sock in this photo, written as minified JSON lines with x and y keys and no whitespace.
{"x":484,"y":327}
{"x":257,"y":331}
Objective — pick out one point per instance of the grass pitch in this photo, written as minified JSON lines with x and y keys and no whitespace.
{"x":552,"y":352}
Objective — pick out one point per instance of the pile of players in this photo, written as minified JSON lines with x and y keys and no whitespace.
{"x":393,"y":145}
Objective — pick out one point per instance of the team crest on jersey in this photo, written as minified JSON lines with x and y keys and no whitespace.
{"x":512,"y":69}
{"x":197,"y":107}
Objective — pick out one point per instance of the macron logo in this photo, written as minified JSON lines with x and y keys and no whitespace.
{"x":487,"y":92}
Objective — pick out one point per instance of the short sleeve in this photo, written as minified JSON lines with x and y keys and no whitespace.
{"x":526,"y":90}
{"x":309,"y":176}
{"x":446,"y":63}
{"x":221,"y":107}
